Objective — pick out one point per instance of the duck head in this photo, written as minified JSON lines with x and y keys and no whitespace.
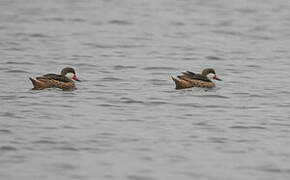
{"x":69,"y":73}
{"x":210,"y":74}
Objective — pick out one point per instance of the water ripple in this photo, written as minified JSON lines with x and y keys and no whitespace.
{"x":160,"y":68}
{"x":38,"y":35}
{"x":113,"y":46}
{"x":213,"y":96}
{"x":140,"y":177}
{"x":5,"y":131}
{"x":111,"y":79}
{"x":120,"y":22}
{"x":8,"y":148}
{"x":248,"y":127}
{"x":45,"y":142}
{"x":121,"y":67}
{"x":19,"y":63}
{"x":17,"y":71}
{"x":131,"y":101}
{"x":214,"y":58}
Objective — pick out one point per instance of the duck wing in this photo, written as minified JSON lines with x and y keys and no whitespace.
{"x":188,"y":74}
{"x":56,"y":77}
{"x":192,"y":75}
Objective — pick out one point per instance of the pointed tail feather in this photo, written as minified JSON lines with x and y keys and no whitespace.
{"x":36,"y":83}
{"x":177,"y":83}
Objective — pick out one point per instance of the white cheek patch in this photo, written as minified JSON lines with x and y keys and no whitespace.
{"x":210,"y":76}
{"x":70,"y":75}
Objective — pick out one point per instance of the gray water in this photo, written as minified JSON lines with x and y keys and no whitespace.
{"x":126,"y":120}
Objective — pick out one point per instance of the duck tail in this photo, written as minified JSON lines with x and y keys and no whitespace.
{"x":177,"y":83}
{"x":36,"y":83}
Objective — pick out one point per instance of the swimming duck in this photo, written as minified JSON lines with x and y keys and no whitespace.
{"x":64,"y":80}
{"x":189,"y":79}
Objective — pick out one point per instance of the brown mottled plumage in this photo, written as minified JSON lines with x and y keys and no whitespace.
{"x":189,"y":79}
{"x":63,"y":81}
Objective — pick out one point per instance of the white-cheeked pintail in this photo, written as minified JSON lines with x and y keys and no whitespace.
{"x":64,"y":80}
{"x":189,"y":79}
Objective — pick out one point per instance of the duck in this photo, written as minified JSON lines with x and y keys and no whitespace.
{"x":189,"y":79}
{"x":63,"y":81}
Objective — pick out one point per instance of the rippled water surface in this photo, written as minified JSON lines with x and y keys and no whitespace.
{"x":126,"y":120}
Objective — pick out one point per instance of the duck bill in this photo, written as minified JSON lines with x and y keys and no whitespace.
{"x":216,"y":78}
{"x":75,"y":78}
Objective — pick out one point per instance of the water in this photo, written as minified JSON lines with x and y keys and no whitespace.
{"x":126,"y":120}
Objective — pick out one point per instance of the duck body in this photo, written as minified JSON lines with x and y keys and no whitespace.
{"x":62,"y":81}
{"x":189,"y":79}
